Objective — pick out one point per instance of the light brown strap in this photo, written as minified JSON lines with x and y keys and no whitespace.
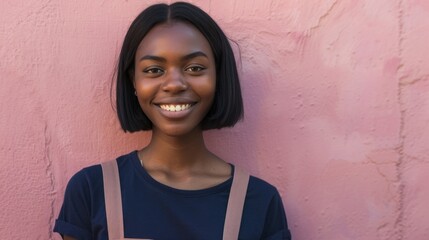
{"x":113,"y":200}
{"x":234,"y":210}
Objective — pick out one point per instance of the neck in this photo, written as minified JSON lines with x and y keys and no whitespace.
{"x":176,"y":153}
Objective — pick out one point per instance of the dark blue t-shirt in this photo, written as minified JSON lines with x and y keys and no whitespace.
{"x":156,"y":211}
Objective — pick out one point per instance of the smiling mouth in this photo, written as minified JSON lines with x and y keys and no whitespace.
{"x":175,"y":107}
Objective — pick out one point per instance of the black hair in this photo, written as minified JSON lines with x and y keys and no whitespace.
{"x":227,"y":107}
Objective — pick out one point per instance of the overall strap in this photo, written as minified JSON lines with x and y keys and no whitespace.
{"x":113,"y":200}
{"x":234,"y":210}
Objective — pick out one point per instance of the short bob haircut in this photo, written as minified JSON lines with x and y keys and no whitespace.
{"x":227,"y":108}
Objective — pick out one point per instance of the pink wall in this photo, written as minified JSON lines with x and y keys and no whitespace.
{"x":337,"y":109}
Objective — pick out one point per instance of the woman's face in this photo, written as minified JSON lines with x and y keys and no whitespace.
{"x":175,"y":77}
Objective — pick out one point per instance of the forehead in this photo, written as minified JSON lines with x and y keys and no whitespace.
{"x":173,"y":38}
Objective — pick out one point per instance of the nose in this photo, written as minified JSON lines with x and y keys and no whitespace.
{"x":174,"y":81}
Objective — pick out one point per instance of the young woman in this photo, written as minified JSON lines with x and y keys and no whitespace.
{"x":176,"y":77}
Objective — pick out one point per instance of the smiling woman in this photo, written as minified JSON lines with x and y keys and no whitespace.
{"x":176,"y":77}
{"x":175,"y":72}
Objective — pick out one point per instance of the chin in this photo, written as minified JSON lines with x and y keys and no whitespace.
{"x":178,"y":131}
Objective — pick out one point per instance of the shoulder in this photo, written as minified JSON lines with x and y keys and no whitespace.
{"x":258,"y":189}
{"x":261,"y":193}
{"x":85,"y":177}
{"x":92,"y":176}
{"x":261,"y":188}
{"x":82,"y":211}
{"x":259,"y":184}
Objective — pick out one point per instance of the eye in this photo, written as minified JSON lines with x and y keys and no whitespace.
{"x":195,"y":68}
{"x":153,"y":70}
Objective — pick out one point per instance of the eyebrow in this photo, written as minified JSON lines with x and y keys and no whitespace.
{"x":184,"y":58}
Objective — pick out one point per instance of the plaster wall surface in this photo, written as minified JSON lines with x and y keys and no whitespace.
{"x":336,"y":109}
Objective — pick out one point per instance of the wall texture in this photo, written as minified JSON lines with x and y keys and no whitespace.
{"x":336,"y":95}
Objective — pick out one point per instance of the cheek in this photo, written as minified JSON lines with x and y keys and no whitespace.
{"x":145,"y":94}
{"x":207,"y":88}
{"x":145,"y":89}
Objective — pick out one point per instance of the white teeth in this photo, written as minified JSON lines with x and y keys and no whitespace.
{"x":175,"y":108}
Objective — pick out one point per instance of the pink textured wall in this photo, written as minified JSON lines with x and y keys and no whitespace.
{"x":336,"y":95}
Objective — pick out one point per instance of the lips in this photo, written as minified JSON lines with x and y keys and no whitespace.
{"x":175,"y":109}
